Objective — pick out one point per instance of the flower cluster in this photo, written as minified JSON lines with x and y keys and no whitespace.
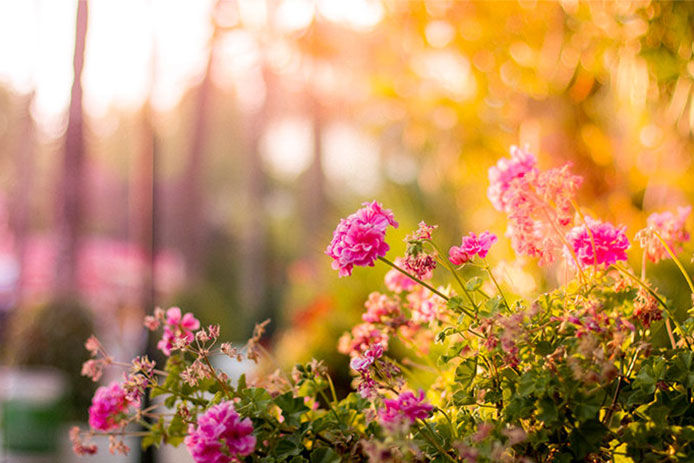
{"x":220,"y":436}
{"x":670,"y":228}
{"x":178,"y":329}
{"x":110,"y":406}
{"x":471,"y":246}
{"x":538,"y":203}
{"x":598,"y":243}
{"x":360,"y":238}
{"x":405,"y":409}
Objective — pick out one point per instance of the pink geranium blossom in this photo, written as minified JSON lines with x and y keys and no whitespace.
{"x":221,"y":436}
{"x":110,"y":406}
{"x":382,"y":309}
{"x":538,"y":204}
{"x":363,"y":337}
{"x":178,"y":330}
{"x":397,"y":281}
{"x":610,"y":243}
{"x":360,"y":238}
{"x":671,"y":229}
{"x":471,"y":246}
{"x":405,"y":409}
{"x":425,"y":305}
{"x":505,"y":172}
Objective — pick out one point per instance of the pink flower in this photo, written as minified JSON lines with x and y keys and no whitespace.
{"x":110,"y":407}
{"x":221,"y":436}
{"x":382,"y":309}
{"x":425,"y":305}
{"x":611,"y":243}
{"x":406,"y":408}
{"x":671,"y":230}
{"x":178,"y":330}
{"x":360,"y":238}
{"x":505,"y":172}
{"x":397,"y":281}
{"x":363,"y":337}
{"x":471,"y":246}
{"x":538,"y":204}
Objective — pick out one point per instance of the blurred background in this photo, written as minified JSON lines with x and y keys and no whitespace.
{"x":200,"y":153}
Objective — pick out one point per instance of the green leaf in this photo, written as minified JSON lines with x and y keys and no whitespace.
{"x":324,"y":455}
{"x":465,"y":372}
{"x":287,"y":447}
{"x":241,"y":384}
{"x":292,"y":407}
{"x":544,"y":348}
{"x":547,"y":410}
{"x":473,"y":284}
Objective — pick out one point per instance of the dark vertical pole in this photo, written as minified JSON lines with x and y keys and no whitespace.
{"x":70,"y":218}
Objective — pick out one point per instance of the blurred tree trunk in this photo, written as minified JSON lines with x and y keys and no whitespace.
{"x":21,"y":201}
{"x":314,"y":200}
{"x":253,"y":288}
{"x":70,"y":210}
{"x":193,"y":226}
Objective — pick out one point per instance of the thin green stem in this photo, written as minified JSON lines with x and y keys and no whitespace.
{"x":451,"y":269}
{"x":433,"y":441}
{"x":657,"y":298}
{"x":677,"y":261}
{"x":454,"y":431}
{"x":408,"y":274}
{"x":496,"y":283}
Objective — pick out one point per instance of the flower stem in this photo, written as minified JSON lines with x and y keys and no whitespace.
{"x":433,"y":441}
{"x":657,"y":298}
{"x":677,"y":261}
{"x":496,"y":283}
{"x":451,"y":269}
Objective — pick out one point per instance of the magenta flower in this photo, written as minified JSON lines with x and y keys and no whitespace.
{"x":470,"y":247}
{"x":611,"y":243}
{"x":177,"y":330}
{"x":110,"y":407}
{"x":360,"y":238}
{"x":671,"y":229}
{"x":221,"y":435}
{"x":405,"y":409}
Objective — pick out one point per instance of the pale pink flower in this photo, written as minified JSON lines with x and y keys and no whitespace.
{"x":471,"y":246}
{"x":80,"y":447}
{"x":422,"y":233}
{"x":221,"y":436}
{"x":397,"y":281}
{"x":502,"y":175}
{"x":363,"y":337}
{"x":610,"y":243}
{"x":360,"y":238}
{"x":92,"y":345}
{"x":538,"y":204}
{"x":382,"y":309}
{"x":93,"y":369}
{"x":425,"y":305}
{"x":671,"y":229}
{"x":151,"y":323}
{"x":110,"y":406}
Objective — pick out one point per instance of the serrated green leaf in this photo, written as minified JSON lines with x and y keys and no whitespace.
{"x":473,"y":284}
{"x":324,"y":455}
